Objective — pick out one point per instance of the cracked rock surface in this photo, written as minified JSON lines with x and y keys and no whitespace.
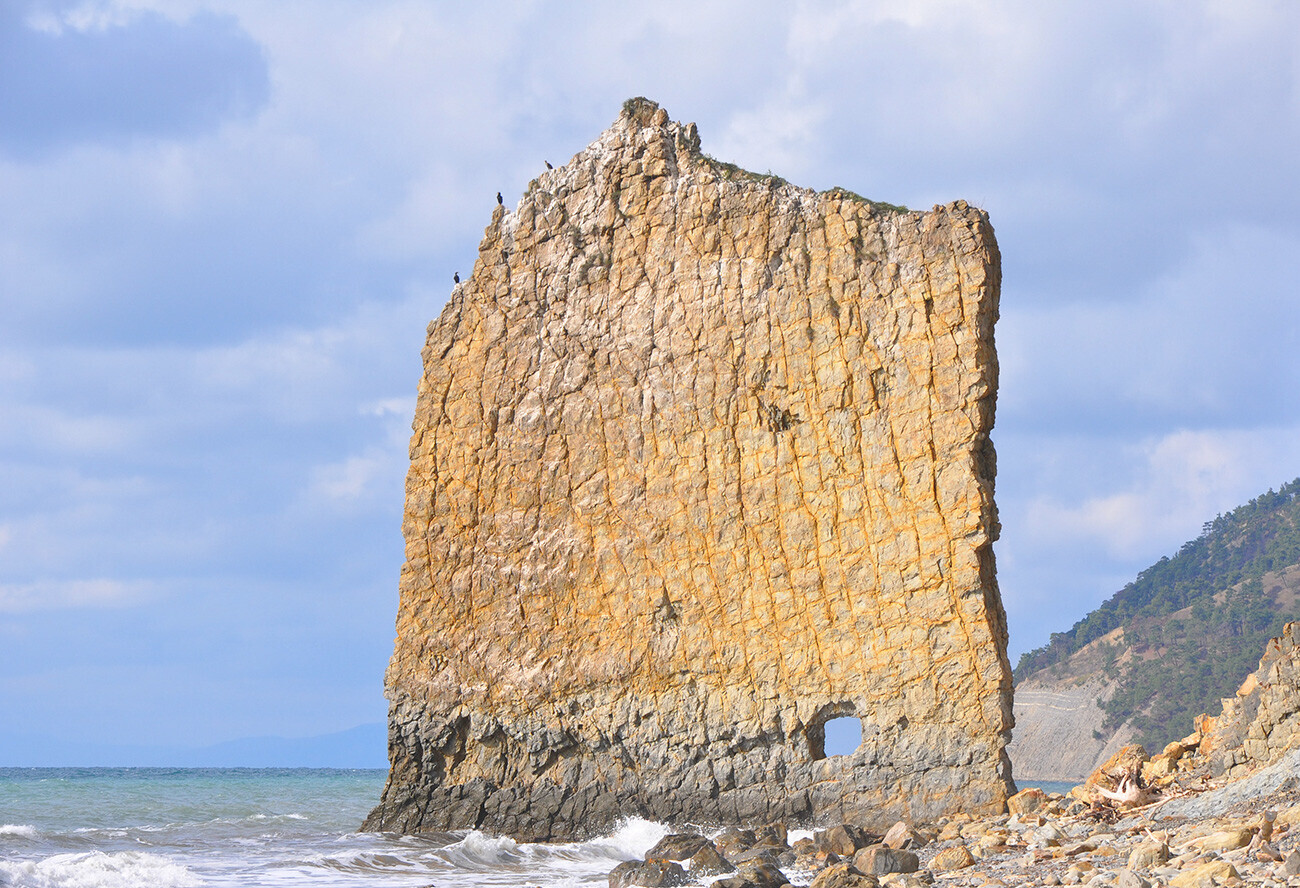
{"x":700,"y":461}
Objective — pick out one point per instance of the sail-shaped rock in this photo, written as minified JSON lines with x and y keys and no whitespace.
{"x":700,"y":461}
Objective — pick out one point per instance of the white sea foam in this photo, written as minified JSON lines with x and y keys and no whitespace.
{"x":18,"y":830}
{"x":636,"y":836}
{"x":219,"y":831}
{"x":481,"y":850}
{"x":128,"y":869}
{"x":630,"y":841}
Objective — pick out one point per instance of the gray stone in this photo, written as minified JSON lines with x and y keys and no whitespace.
{"x":844,"y":875}
{"x":844,"y":839}
{"x":708,"y":862}
{"x":1217,"y":802}
{"x":732,"y":841}
{"x":878,"y":860}
{"x":678,"y":846}
{"x":647,"y":873}
{"x":759,"y":875}
{"x":1129,"y":879}
{"x":757,"y":854}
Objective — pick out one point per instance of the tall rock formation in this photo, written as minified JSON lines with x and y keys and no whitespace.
{"x":701,"y":461}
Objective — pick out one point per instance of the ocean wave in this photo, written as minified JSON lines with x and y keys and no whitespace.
{"x":128,"y":869}
{"x":478,"y":850}
{"x":366,"y":863}
{"x":630,"y":840}
{"x":18,"y":831}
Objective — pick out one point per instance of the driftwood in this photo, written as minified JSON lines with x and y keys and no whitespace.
{"x":1129,"y":792}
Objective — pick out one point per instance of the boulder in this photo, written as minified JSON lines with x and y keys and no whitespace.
{"x":647,"y":873}
{"x":844,"y":875}
{"x":757,"y":875}
{"x":844,"y":839}
{"x":954,"y":858}
{"x":708,"y":862}
{"x":1206,"y":875}
{"x":678,"y":846}
{"x":734,"y":840}
{"x":1148,"y":855}
{"x":1027,"y":801}
{"x":901,"y":835}
{"x":878,"y":860}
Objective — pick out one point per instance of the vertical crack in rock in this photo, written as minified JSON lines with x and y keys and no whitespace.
{"x":701,"y":460}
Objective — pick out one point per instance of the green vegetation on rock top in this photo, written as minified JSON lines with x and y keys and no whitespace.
{"x":1194,"y":625}
{"x":731,"y":170}
{"x":878,"y":205}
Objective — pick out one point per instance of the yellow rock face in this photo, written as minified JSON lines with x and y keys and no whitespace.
{"x":1261,"y":723}
{"x":701,"y":461}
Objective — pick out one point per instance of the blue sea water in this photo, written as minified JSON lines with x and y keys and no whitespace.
{"x":176,"y":828}
{"x":1060,"y":786}
{"x":184,"y":827}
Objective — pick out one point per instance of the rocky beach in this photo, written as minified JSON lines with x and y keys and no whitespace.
{"x":1213,"y":834}
{"x":1219,"y":807}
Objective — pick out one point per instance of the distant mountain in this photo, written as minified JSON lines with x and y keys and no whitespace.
{"x":364,"y":746}
{"x":1165,"y":648}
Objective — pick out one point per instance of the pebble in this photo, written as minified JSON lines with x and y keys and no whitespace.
{"x":1239,"y":847}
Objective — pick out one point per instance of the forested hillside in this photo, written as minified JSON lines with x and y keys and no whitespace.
{"x":1192,"y":625}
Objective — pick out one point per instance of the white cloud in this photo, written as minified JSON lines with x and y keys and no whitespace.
{"x":1182,"y":480}
{"x":351,"y":479}
{"x":69,"y":594}
{"x":1213,"y":342}
{"x":402,"y":407}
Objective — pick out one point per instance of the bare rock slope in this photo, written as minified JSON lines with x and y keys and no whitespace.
{"x":1260,"y":723}
{"x":700,"y":461}
{"x":1060,"y":732}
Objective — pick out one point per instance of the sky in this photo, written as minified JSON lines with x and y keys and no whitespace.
{"x":225,"y":225}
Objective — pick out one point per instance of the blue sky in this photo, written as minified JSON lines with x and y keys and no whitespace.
{"x":224,"y":227}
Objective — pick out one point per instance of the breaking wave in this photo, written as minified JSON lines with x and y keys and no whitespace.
{"x":127,"y":869}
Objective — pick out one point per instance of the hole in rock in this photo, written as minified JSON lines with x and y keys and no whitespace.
{"x":843,"y":735}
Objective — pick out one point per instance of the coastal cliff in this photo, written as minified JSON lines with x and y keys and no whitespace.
{"x":700,"y":461}
{"x":1261,"y":722}
{"x":1175,"y":642}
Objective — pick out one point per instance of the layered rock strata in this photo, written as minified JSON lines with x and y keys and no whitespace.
{"x":1060,"y":730}
{"x":1261,"y":723}
{"x":700,"y":461}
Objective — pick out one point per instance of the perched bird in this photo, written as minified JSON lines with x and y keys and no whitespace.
{"x":548,"y":164}
{"x":499,"y":200}
{"x":455,"y":278}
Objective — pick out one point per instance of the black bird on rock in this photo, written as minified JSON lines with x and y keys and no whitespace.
{"x":499,"y":200}
{"x":455,"y":278}
{"x":548,"y":164}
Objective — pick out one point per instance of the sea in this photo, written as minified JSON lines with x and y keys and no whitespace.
{"x":182,"y":827}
